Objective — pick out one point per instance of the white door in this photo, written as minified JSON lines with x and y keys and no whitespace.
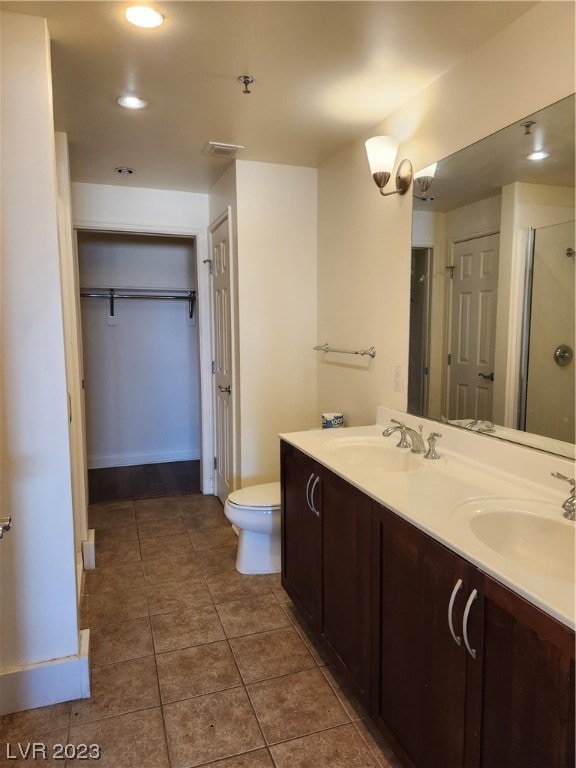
{"x":473,"y":328}
{"x":222,"y":365}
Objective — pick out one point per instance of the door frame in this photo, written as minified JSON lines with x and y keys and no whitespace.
{"x":204,"y":327}
{"x":234,"y":400}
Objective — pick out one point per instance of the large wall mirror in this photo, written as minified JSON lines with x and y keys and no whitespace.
{"x":492,"y":295}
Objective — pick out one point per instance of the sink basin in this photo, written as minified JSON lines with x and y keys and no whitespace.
{"x":371,"y":453}
{"x":531,"y":534}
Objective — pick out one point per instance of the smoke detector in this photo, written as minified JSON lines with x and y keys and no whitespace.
{"x":216,"y":149}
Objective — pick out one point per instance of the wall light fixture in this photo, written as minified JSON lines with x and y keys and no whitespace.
{"x":424,"y":179}
{"x":382,"y":151}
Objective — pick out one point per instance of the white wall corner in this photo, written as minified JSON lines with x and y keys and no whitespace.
{"x":46,"y":683}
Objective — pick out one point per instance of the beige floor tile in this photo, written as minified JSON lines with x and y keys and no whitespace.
{"x":295,"y":705}
{"x":178,"y":595}
{"x":111,"y":578}
{"x":106,"y":608}
{"x":207,"y":728}
{"x":153,"y":529}
{"x":171,"y":569}
{"x":180,"y":630}
{"x":270,"y":654}
{"x":128,"y":532}
{"x":198,"y":670}
{"x":231,"y":585}
{"x":166,"y":546}
{"x":213,"y":538}
{"x":110,"y":514}
{"x":217,"y":560}
{"x":377,"y":744}
{"x":117,"y":551}
{"x":115,"y":689}
{"x":121,"y":641}
{"x":258,"y":614}
{"x":43,"y":749}
{"x":335,"y":748}
{"x":149,"y":510}
{"x":135,"y":740}
{"x":198,"y":504}
{"x":275,"y":585}
{"x":31,"y":722}
{"x":258,"y":759}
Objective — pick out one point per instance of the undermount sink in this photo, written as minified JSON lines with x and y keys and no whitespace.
{"x":532,"y":534}
{"x":372,"y":453}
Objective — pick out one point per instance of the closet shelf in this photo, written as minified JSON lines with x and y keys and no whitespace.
{"x":122,"y":294}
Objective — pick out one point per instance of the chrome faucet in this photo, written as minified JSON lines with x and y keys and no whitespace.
{"x":416,"y":443}
{"x":480,"y":425}
{"x":432,"y":453}
{"x":569,"y":505}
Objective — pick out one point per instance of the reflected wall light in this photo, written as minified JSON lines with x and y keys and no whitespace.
{"x":424,"y":179}
{"x":381,"y":151}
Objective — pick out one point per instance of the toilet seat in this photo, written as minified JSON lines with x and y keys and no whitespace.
{"x":257,"y":496}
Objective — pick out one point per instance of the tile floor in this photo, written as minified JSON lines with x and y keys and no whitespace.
{"x":192,"y":663}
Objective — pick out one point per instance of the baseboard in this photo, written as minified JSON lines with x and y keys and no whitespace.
{"x":50,"y":682}
{"x":89,"y":551}
{"x":103,"y":461}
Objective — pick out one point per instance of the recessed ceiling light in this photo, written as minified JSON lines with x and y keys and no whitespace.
{"x":124,"y":170}
{"x":131,"y":102}
{"x":144,"y":16}
{"x":538,"y":155}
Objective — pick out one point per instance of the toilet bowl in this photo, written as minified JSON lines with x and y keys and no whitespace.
{"x":255,"y":511}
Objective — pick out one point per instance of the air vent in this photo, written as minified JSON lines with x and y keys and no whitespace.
{"x":216,"y":149}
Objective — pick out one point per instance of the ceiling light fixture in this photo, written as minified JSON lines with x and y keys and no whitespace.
{"x":381,"y":151}
{"x":539,"y":154}
{"x":131,"y":102}
{"x":144,"y":16}
{"x":124,"y":170}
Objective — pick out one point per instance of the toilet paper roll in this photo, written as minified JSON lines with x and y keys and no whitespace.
{"x":331,"y":420}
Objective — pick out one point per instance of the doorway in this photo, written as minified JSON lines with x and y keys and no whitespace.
{"x":470,"y":373}
{"x":140,"y":350}
{"x":419,"y":331}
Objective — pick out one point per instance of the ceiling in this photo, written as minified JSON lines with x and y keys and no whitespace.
{"x":324,"y":74}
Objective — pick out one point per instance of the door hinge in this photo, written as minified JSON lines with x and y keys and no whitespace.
{"x":449,"y":359}
{"x":213,"y":366}
{"x":215,"y":463}
{"x":450,"y":271}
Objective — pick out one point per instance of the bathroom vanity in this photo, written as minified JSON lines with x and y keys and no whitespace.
{"x":459,"y":644}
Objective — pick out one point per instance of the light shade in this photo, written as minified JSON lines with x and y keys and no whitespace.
{"x":429,"y":171}
{"x":144,"y":16}
{"x":382,"y":151}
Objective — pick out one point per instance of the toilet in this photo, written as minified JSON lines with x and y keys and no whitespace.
{"x":255,"y":512}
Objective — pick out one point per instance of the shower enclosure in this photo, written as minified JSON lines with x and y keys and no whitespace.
{"x":547,"y":380}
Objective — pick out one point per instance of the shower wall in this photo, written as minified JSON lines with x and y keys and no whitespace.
{"x":550,"y":392}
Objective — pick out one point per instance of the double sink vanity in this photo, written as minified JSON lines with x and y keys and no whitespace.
{"x":442,"y":589}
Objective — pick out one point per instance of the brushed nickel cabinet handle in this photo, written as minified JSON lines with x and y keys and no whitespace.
{"x":457,"y":588}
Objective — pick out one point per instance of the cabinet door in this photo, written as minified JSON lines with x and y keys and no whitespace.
{"x":420,"y":672}
{"x":345,"y":623}
{"x":301,"y":534}
{"x":527,"y":718}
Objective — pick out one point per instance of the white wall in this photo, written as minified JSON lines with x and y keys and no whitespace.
{"x":364,"y":239}
{"x":277,"y":310}
{"x":141,"y":366}
{"x":38,"y":614}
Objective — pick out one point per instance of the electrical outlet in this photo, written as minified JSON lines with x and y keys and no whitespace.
{"x":397,"y":378}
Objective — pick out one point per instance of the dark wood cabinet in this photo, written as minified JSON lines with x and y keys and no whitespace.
{"x":456,"y":669}
{"x":467,"y":674}
{"x":326,"y":561}
{"x":301,"y":532}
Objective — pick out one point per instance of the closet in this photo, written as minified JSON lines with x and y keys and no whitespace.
{"x":140,"y":348}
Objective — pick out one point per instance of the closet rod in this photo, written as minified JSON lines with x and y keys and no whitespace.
{"x":113,"y":293}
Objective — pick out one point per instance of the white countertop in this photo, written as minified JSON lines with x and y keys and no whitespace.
{"x":471,"y":467}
